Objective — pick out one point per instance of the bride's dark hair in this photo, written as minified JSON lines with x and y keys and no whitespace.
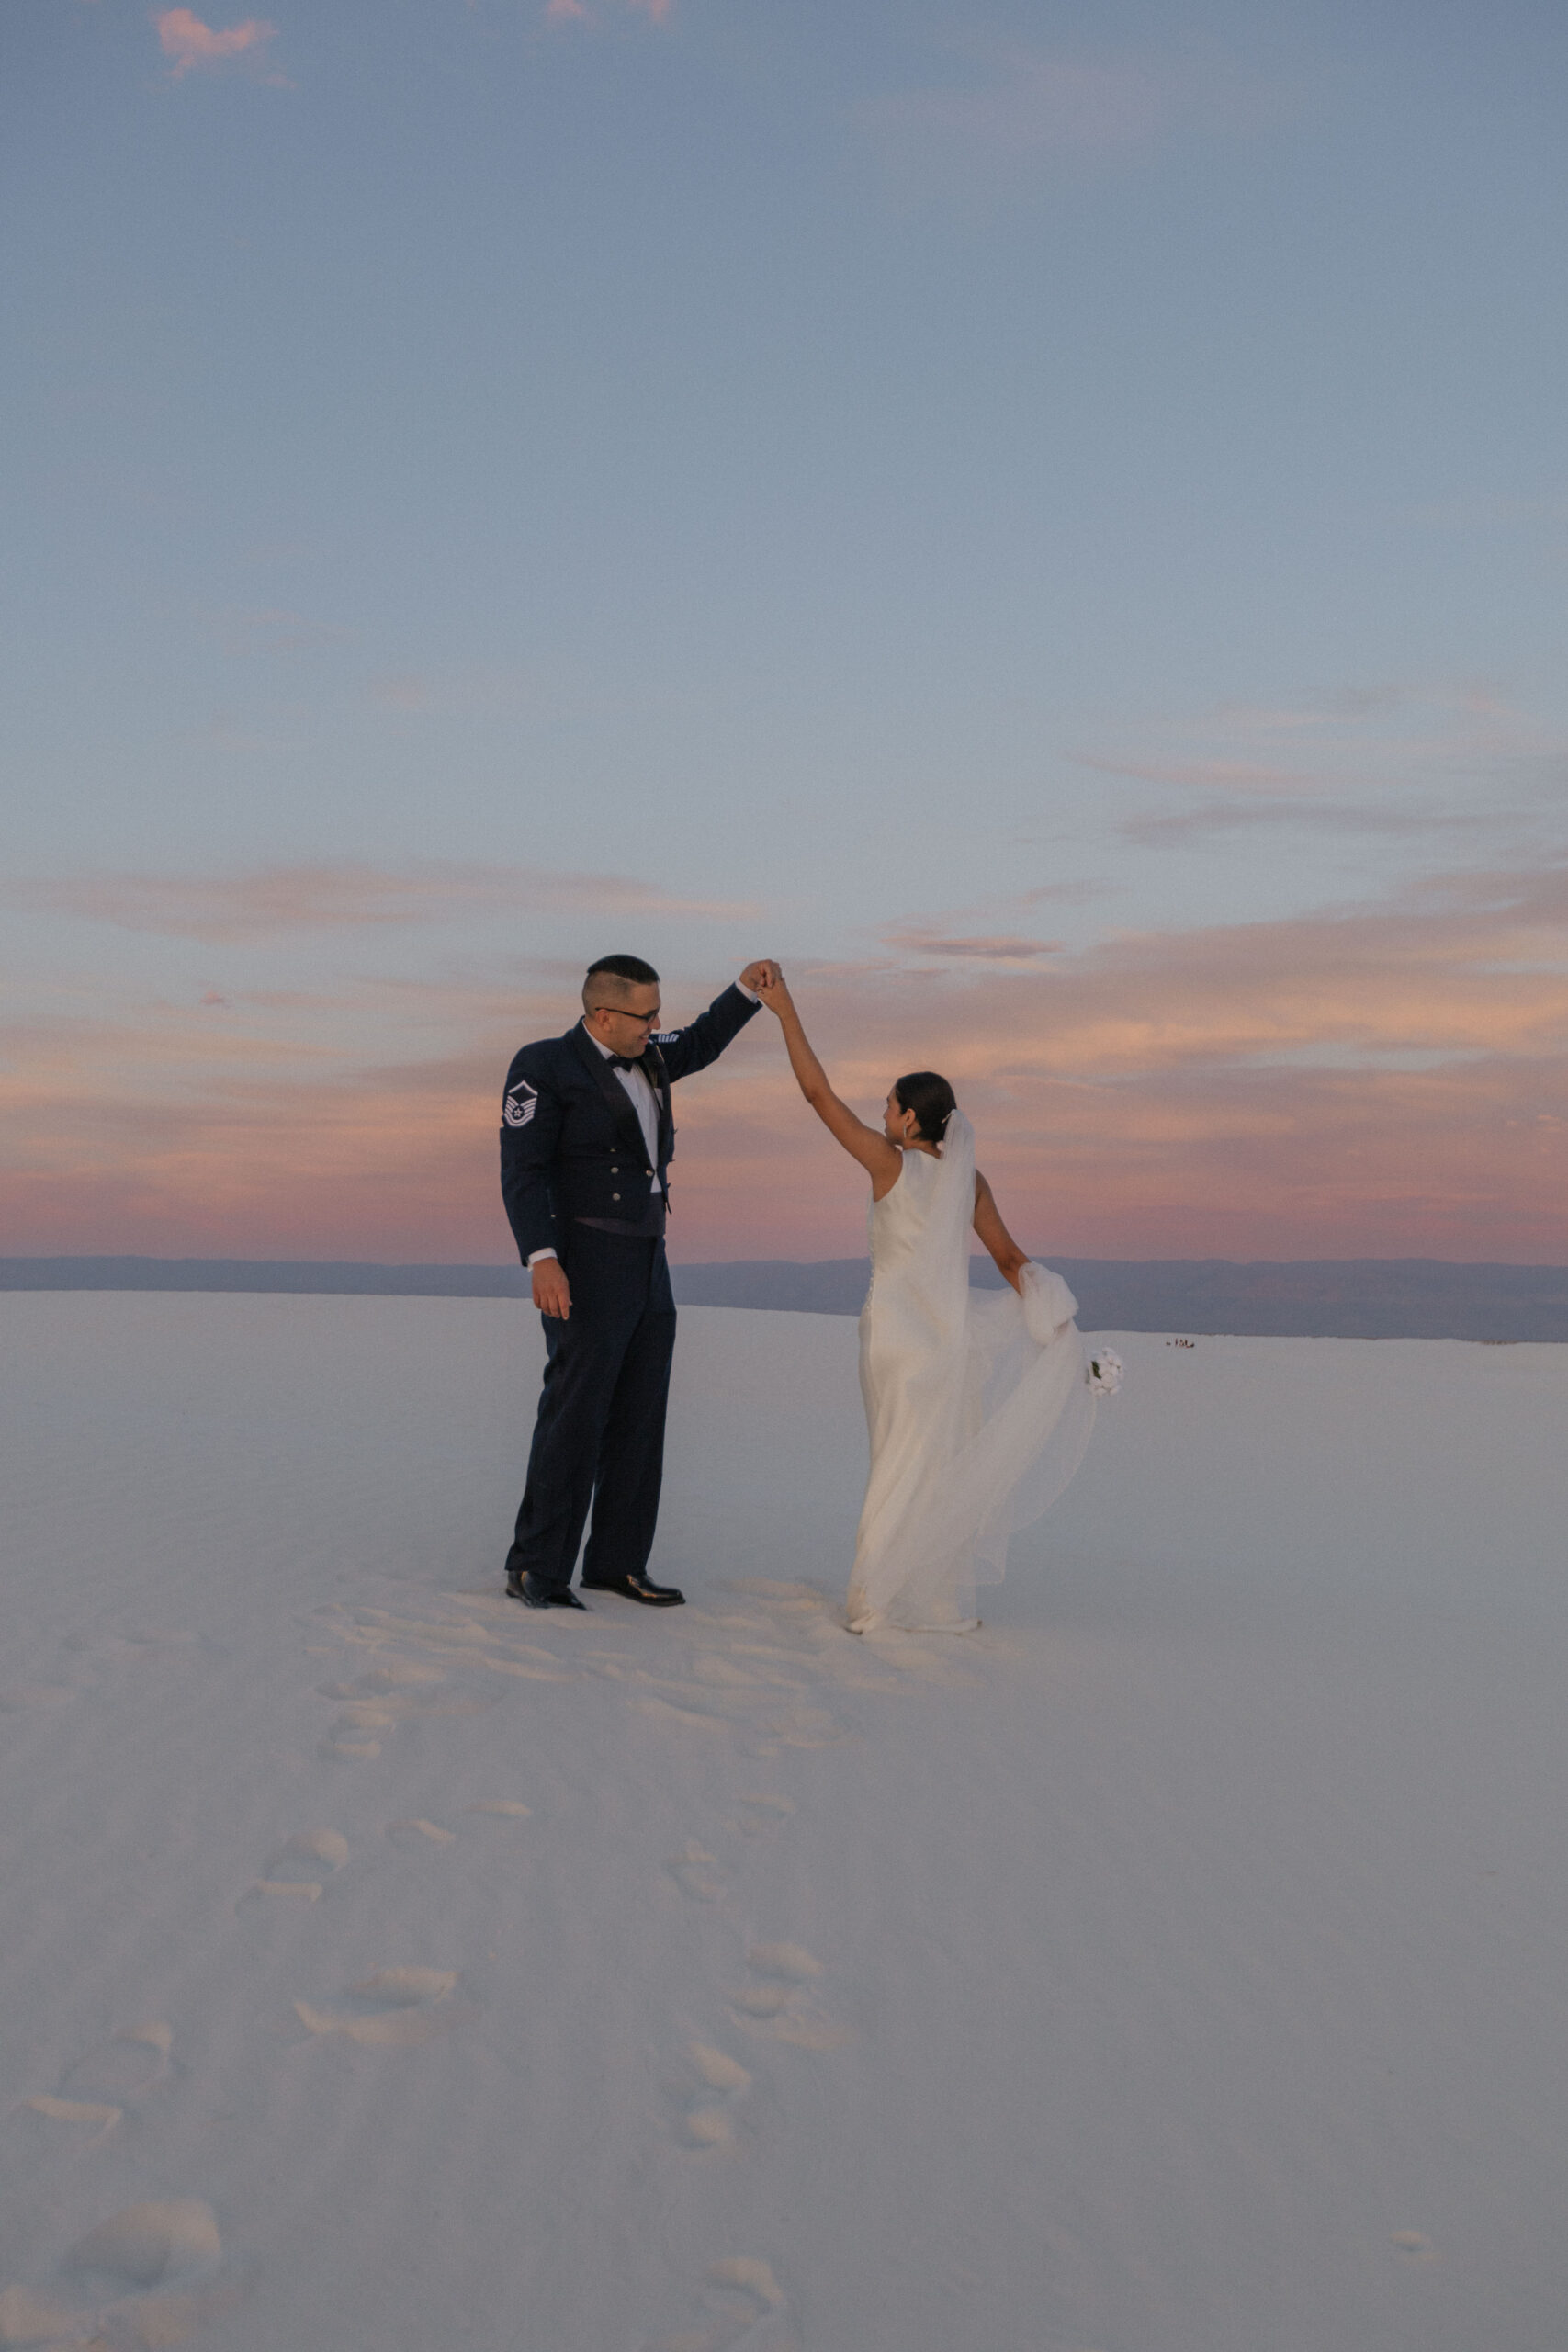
{"x":931,"y":1100}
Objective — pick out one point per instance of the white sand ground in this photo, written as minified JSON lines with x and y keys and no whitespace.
{"x":1175,"y":1965}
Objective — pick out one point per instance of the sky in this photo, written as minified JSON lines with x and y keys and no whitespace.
{"x":1051,"y":520}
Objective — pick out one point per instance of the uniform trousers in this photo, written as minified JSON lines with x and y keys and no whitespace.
{"x":599,"y":1437}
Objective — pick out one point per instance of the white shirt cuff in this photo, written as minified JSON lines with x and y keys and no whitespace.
{"x":750,"y":993}
{"x":535,"y":1255}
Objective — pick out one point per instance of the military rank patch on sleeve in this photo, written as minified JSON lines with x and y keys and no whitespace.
{"x":522,"y":1101}
{"x":665,"y":1036}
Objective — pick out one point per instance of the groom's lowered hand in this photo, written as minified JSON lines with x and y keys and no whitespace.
{"x":552,"y":1292}
{"x":764,"y":974}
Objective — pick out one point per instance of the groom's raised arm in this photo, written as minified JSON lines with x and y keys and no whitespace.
{"x":702,"y":1041}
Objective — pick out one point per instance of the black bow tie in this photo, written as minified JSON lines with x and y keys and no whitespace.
{"x":621,"y":1061}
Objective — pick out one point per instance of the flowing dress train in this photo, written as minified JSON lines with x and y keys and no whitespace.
{"x":977,"y":1403}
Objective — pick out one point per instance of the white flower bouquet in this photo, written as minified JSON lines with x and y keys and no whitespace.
{"x":1106,"y":1371}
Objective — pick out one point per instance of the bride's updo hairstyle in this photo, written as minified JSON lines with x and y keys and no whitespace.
{"x":931,"y":1100}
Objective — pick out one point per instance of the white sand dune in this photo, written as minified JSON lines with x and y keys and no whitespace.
{"x":1174,"y":1965}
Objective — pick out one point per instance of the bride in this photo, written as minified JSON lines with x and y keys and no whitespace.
{"x":976,"y":1402}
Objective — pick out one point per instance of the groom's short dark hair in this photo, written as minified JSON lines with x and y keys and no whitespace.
{"x":612,"y":976}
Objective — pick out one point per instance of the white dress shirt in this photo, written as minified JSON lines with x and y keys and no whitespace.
{"x":644,"y":1102}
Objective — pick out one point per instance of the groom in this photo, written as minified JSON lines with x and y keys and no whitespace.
{"x":586,"y":1141}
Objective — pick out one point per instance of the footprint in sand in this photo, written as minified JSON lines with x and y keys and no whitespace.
{"x":374,"y":1626}
{"x":395,"y":2007}
{"x":616,"y":1665}
{"x":781,"y":2001}
{"x":418,"y":1835}
{"x":741,"y":2309}
{"x":781,"y":1966}
{"x":781,"y":1598}
{"x":397,"y":1674}
{"x":765,"y":1726}
{"x":527,"y":1665}
{"x":387,"y":1695}
{"x":148,"y":2269}
{"x":90,"y":2123}
{"x":355,"y":1732}
{"x":458,"y":1639}
{"x":697,"y":1873}
{"x":173,"y":2240}
{"x":706,"y":2110}
{"x":301,"y":1866}
{"x":375,"y":1702}
{"x":121,"y":2070}
{"x":96,"y":2089}
{"x":754,"y":1816}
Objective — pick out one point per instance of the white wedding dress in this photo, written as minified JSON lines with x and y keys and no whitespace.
{"x":977,"y":1403}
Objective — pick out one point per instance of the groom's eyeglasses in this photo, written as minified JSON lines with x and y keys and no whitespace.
{"x":647,"y":1019}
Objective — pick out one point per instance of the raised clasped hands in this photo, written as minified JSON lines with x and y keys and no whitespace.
{"x":760,"y":976}
{"x":774,"y":991}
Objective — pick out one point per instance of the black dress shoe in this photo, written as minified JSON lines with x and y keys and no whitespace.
{"x":652,"y":1595}
{"x":534,"y":1596}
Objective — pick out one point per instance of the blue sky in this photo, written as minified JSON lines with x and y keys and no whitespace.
{"x":932,"y":493}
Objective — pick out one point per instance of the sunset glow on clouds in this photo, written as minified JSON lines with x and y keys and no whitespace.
{"x":1382,"y":1082}
{"x":1004,"y":112}
{"x":1057,"y":531}
{"x":184,"y":38}
{"x":279,"y":900}
{"x":566,"y":12}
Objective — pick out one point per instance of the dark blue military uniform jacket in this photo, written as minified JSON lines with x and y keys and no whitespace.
{"x":572,"y":1145}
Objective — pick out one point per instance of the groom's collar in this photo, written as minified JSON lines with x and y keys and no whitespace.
{"x":617,"y":1101}
{"x":634,"y":1061}
{"x":651,"y":1061}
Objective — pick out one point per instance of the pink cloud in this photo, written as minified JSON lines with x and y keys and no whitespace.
{"x":277,"y":900}
{"x":993,"y":947}
{"x":570,"y":12}
{"x":1009,"y":111}
{"x":1174,"y":830}
{"x":189,"y":42}
{"x":1032,"y":106}
{"x":1204,"y":776}
{"x":1367,"y":762}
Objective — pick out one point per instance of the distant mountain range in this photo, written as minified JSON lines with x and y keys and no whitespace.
{"x":1352,"y":1298}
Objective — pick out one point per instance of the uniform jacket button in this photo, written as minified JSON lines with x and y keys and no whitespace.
{"x":614,"y":1171}
{"x":614,"y":1197}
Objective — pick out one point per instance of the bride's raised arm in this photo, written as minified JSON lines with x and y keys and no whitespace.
{"x":881,"y":1158}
